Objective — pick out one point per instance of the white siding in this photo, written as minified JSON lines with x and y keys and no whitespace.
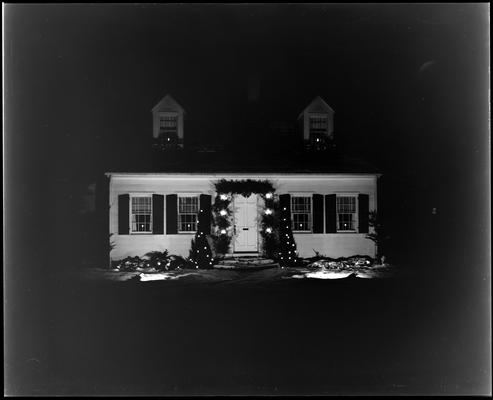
{"x":330,"y":244}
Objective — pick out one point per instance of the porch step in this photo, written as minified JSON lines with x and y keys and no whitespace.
{"x":246,"y":260}
{"x":246,"y":263}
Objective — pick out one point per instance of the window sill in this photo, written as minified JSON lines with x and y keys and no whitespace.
{"x":141,"y":233}
{"x":302,"y":232}
{"x":187,"y":232}
{"x":347,"y":232}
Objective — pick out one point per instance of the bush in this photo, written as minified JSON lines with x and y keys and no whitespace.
{"x":130,"y":263}
{"x":178,"y":262}
{"x":159,"y":260}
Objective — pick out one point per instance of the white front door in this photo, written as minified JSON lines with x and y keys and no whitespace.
{"x":246,"y":237}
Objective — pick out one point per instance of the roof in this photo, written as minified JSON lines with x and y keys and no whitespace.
{"x":168,"y":103}
{"x":317,"y":101}
{"x":183,"y":161}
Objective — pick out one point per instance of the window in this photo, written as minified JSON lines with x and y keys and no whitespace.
{"x":318,"y":126}
{"x":141,"y":214}
{"x":168,"y":124}
{"x":188,"y":209}
{"x":346,"y":213}
{"x":301,"y":213}
{"x":318,"y":132}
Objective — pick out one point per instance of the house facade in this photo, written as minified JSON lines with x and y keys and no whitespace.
{"x":158,"y":210}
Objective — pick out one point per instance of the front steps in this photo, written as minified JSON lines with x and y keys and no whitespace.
{"x":246,"y":263}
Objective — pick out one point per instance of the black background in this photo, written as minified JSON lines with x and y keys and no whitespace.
{"x":408,"y":84}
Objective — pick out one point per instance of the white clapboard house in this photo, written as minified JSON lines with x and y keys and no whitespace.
{"x":157,"y":210}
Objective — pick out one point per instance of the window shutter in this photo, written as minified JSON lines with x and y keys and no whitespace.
{"x":285,"y":201}
{"x":318,"y":213}
{"x":157,"y":214}
{"x":171,"y":214}
{"x":123,"y":214}
{"x":205,"y":206}
{"x":363,"y":208}
{"x":330,"y":213}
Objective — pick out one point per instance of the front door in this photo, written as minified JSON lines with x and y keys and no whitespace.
{"x":246,"y":237}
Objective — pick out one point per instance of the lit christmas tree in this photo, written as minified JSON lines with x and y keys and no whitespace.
{"x":200,"y":253}
{"x":288,"y":255}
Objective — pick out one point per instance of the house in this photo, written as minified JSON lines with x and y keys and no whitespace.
{"x":328,"y":198}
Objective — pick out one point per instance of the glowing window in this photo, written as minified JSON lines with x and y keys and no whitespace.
{"x":141,"y":214}
{"x":301,"y":213}
{"x":188,"y":209}
{"x":346,"y":213}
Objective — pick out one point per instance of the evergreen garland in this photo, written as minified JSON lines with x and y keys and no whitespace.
{"x":200,"y":252}
{"x":270,"y":226}
{"x":223,"y":216}
{"x":222,"y":237}
{"x":244,"y":187}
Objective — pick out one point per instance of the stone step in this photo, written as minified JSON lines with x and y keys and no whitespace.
{"x":246,"y":267}
{"x":246,"y":261}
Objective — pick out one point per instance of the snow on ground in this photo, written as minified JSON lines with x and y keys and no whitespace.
{"x":322,"y":269}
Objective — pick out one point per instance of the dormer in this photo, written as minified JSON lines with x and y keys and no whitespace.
{"x":167,"y":121}
{"x":317,"y":125}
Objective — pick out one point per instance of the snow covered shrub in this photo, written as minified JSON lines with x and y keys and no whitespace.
{"x":130,"y":263}
{"x":158,"y":260}
{"x":178,"y":262}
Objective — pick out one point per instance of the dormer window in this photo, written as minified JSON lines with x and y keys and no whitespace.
{"x":168,"y":129}
{"x":316,"y":123}
{"x":168,"y":124}
{"x":318,"y":131}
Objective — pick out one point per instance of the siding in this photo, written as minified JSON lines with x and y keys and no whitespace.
{"x":333,"y":244}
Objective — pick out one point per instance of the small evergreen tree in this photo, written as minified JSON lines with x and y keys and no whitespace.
{"x":378,"y":236}
{"x":200,"y":252}
{"x":288,"y":255}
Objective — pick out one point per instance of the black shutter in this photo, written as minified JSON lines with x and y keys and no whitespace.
{"x":123,"y":214}
{"x":205,"y":206}
{"x":318,"y":213}
{"x":363,"y":205}
{"x":285,"y":201}
{"x":171,"y":214}
{"x":158,"y":214}
{"x":330,"y":213}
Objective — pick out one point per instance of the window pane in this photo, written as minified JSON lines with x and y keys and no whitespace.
{"x":346,"y":204}
{"x":301,"y":212}
{"x":346,"y":222}
{"x":188,"y":204}
{"x":346,"y":213}
{"x":168,"y":123}
{"x":141,"y":214}
{"x":187,"y":222}
{"x":188,"y":208}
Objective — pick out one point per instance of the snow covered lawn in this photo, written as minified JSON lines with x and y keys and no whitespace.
{"x":322,"y":269}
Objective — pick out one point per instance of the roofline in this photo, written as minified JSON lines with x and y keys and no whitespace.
{"x":219,"y":175}
{"x":313,"y":101}
{"x":172,"y":98}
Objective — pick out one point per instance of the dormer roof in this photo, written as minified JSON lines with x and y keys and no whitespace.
{"x":168,"y":103}
{"x":318,"y":105}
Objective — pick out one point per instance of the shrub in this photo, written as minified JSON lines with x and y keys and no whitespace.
{"x":130,"y":263}
{"x":159,"y":260}
{"x":178,"y":262}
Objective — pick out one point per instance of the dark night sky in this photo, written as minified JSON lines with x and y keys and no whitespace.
{"x":407,"y":82}
{"x":409,"y":86}
{"x":81,"y":80}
